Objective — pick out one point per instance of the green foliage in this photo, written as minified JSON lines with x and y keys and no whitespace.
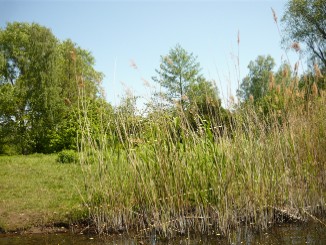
{"x":178,"y":71}
{"x":193,"y":95}
{"x":75,"y":70}
{"x":280,"y":93}
{"x":204,"y":95}
{"x":40,"y":82}
{"x":7,"y":123}
{"x":64,"y":136}
{"x":255,"y":84}
{"x":127,"y":122}
{"x":67,"y":156}
{"x":8,"y":149}
{"x":305,"y":22}
{"x":205,"y":105}
{"x":29,"y":53}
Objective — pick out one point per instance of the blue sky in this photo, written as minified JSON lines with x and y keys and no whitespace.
{"x":118,"y":32}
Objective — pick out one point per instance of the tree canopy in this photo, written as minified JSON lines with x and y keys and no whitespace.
{"x":39,"y":81}
{"x":255,"y":84}
{"x":178,"y":71}
{"x":305,"y":22}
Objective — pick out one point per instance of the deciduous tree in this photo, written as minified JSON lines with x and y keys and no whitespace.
{"x":41,"y":80}
{"x":305,"y":22}
{"x":255,"y":84}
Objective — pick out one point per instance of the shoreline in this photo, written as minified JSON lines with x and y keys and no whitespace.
{"x":84,"y":227}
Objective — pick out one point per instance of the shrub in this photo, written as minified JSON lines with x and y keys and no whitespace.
{"x":9,"y":150}
{"x":67,"y":156}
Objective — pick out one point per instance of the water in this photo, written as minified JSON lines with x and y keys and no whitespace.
{"x":311,"y":233}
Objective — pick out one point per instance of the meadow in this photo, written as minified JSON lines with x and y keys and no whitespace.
{"x":36,"y":190}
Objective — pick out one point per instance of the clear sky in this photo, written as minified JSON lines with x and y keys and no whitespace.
{"x":120,"y":32}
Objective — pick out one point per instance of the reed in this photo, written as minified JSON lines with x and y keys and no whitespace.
{"x":157,"y":174}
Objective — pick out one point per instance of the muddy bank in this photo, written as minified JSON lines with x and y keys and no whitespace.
{"x":52,"y":228}
{"x":295,"y":233}
{"x":19,"y":224}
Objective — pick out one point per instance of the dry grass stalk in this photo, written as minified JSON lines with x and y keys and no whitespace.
{"x":296,"y":67}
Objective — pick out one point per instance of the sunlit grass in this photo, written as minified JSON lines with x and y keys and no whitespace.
{"x":36,"y":190}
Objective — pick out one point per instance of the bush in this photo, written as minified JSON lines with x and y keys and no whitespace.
{"x":67,"y":156}
{"x":9,"y":150}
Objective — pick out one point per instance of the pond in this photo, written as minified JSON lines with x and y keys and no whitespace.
{"x":307,"y":233}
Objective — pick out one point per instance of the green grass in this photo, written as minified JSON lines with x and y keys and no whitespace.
{"x":36,"y":190}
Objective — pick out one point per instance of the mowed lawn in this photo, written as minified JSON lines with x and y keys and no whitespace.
{"x":36,"y":190}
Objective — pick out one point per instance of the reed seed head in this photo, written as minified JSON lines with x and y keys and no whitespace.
{"x":184,"y":97}
{"x":314,"y":89}
{"x":288,"y":92}
{"x":278,"y":89}
{"x":274,"y":15}
{"x":232,"y":100}
{"x":271,"y":81}
{"x":133,"y":64}
{"x":251,"y":98}
{"x":145,"y":83}
{"x":285,"y":72}
{"x":80,"y":81}
{"x":317,"y":71}
{"x":73,"y":55}
{"x":296,"y":47}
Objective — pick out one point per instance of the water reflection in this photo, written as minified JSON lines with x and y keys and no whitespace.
{"x":312,"y":233}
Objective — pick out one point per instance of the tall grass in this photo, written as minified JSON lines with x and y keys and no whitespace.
{"x":157,"y":174}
